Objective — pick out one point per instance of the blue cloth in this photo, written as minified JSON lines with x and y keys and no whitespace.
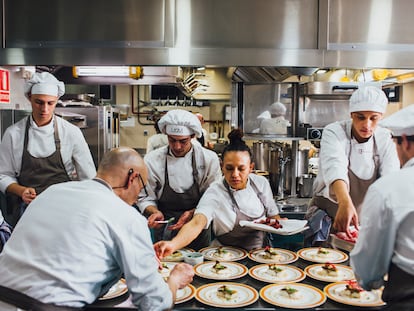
{"x":319,"y":228}
{"x":5,"y":232}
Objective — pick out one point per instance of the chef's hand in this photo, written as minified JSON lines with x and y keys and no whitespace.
{"x":164,"y":248}
{"x":153,"y":218}
{"x":346,"y":215}
{"x":181,"y":275}
{"x":28,"y":195}
{"x":184,"y":218}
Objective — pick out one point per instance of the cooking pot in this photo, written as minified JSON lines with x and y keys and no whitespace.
{"x":261,"y":151}
{"x":306,"y":185}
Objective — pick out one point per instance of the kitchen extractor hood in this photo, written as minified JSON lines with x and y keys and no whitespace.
{"x":269,"y":74}
{"x":328,"y":90}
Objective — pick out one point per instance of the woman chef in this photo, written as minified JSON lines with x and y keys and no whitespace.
{"x":238,"y":196}
{"x":42,"y":149}
{"x":353,"y":154}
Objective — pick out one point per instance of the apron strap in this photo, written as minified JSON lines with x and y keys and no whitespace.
{"x":26,"y":302}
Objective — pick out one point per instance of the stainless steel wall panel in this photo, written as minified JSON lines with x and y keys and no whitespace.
{"x":371,"y":25}
{"x":282,"y":24}
{"x":79,"y":23}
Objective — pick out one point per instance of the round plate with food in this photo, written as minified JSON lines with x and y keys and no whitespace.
{"x":322,"y":255}
{"x":226,"y":295}
{"x":349,"y":293}
{"x":273,"y":255}
{"x":274,"y":273}
{"x":178,"y":255}
{"x":118,"y":289}
{"x":293,"y":296}
{"x":217,"y":270}
{"x":223,"y":253}
{"x":329,"y":272}
{"x":185,"y":294}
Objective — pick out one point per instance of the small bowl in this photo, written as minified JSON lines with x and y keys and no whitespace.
{"x":193,"y":258}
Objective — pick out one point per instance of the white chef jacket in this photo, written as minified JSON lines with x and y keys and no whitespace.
{"x":75,"y":152}
{"x":180,"y":172}
{"x":387,"y":228}
{"x":335,"y":155}
{"x":156,"y":141}
{"x":217,"y":206}
{"x":77,"y":238}
{"x":277,"y":125}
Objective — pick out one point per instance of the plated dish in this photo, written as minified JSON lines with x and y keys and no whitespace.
{"x":223,"y":253}
{"x":185,"y":294}
{"x":178,"y":256}
{"x":273,"y":273}
{"x":338,"y":292}
{"x":166,"y":269}
{"x":226,"y":295}
{"x":322,"y":255}
{"x":293,"y":296}
{"x":273,"y":255}
{"x":217,"y":270}
{"x":330,"y":272}
{"x":289,"y":226}
{"x":117,"y":290}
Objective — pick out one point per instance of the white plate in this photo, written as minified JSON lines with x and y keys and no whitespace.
{"x":185,"y":294}
{"x":234,"y":270}
{"x":166,"y":269}
{"x":286,"y":256}
{"x":344,"y":273}
{"x":368,"y":298}
{"x":289,"y":226}
{"x":207,"y":294}
{"x":290,"y":274}
{"x":310,"y":296}
{"x":233,"y":253}
{"x":311,"y":254}
{"x":178,"y":255}
{"x":117,"y":290}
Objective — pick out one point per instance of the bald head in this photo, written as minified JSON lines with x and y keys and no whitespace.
{"x":118,"y":160}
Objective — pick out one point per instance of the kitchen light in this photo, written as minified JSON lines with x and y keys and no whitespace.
{"x":134,"y":72}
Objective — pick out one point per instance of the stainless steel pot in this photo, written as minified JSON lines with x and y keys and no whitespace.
{"x":261,"y":151}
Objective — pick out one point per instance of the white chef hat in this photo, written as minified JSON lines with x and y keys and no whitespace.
{"x":180,"y":123}
{"x":44,"y":83}
{"x":277,"y":109}
{"x":368,"y":98}
{"x":400,"y":122}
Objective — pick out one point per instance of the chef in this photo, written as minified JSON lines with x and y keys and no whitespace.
{"x":386,"y":238}
{"x":277,"y":124}
{"x":179,"y":174}
{"x":353,"y":154}
{"x":42,"y":149}
{"x":239,"y":195}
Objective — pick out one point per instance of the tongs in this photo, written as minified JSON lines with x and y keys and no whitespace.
{"x":165,"y":221}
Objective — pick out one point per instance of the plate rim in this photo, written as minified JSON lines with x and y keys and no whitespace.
{"x":191,"y":296}
{"x":181,"y":258}
{"x":249,"y":287}
{"x":240,"y":250}
{"x":302,"y":272}
{"x":295,"y":256}
{"x":343,"y":301}
{"x":344,"y":255}
{"x":123,"y":292}
{"x":323,"y":296}
{"x":243,"y":267}
{"x":315,"y":277}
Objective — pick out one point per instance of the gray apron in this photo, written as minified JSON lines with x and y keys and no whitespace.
{"x":173,"y":204}
{"x":399,"y":289}
{"x":40,"y":173}
{"x":239,"y":236}
{"x":357,"y":189}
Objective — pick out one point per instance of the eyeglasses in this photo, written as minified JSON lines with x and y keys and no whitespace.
{"x":144,"y":186}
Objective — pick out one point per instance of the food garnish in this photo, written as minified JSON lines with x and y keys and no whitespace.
{"x":225,"y":292}
{"x":289,"y":290}
{"x":218,"y":267}
{"x":330,"y":267}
